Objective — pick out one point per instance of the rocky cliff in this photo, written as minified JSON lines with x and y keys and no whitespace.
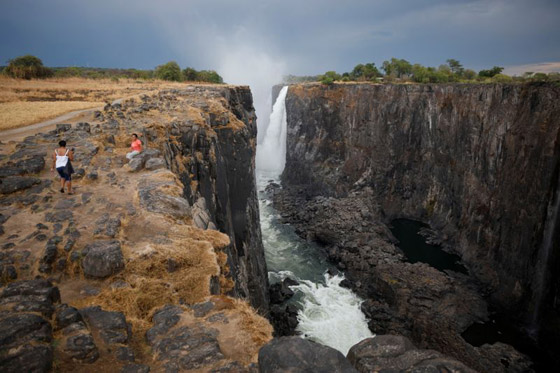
{"x":144,"y":265}
{"x":480,"y":163}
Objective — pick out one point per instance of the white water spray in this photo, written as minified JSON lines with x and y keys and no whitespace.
{"x":271,"y":153}
{"x":329,"y":313}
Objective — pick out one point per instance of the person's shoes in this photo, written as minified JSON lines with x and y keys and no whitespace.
{"x":61,"y":190}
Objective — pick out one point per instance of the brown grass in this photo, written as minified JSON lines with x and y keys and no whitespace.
{"x":24,"y":102}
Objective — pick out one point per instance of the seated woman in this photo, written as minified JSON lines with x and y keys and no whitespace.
{"x":135,"y":147}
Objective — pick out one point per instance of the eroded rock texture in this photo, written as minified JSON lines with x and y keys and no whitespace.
{"x":480,"y":163}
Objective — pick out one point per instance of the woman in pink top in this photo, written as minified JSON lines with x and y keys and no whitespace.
{"x":135,"y":147}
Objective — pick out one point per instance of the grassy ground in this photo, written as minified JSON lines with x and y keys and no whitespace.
{"x":24,"y":102}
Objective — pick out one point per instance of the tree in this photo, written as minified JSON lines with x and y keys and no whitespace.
{"x":190,"y":74}
{"x":397,"y":68}
{"x":456,"y":67}
{"x":490,"y":73}
{"x":469,"y":74}
{"x":169,"y":71}
{"x":27,"y":67}
{"x":364,"y":72}
{"x":209,"y":76}
{"x":329,"y":77}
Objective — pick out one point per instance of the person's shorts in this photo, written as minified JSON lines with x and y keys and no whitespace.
{"x":63,"y":174}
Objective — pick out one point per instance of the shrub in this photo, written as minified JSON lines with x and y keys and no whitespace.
{"x":490,"y":73}
{"x":27,"y":67}
{"x":502,"y":78}
{"x":209,"y":76}
{"x":169,"y":71}
{"x":329,"y":77}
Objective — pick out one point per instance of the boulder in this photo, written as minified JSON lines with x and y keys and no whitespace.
{"x":16,"y":183}
{"x":30,"y":296}
{"x":294,"y":354}
{"x":27,"y":358}
{"x":111,"y":326}
{"x":102,"y":258}
{"x":396,"y":353}
{"x":155,"y":201}
{"x":155,"y":163}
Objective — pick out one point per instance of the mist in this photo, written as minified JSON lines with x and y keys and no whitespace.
{"x":246,"y":65}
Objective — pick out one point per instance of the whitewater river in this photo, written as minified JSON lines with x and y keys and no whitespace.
{"x":328,"y":313}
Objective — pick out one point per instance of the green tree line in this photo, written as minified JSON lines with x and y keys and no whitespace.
{"x":400,"y":70}
{"x":31,"y":67}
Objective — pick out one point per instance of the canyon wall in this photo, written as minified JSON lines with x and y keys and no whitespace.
{"x":479,"y":162}
{"x":143,"y":266}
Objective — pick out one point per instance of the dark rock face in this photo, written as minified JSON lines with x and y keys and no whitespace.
{"x":25,"y":336}
{"x":16,"y":183}
{"x":479,"y":163}
{"x":218,"y":166}
{"x":294,"y":354}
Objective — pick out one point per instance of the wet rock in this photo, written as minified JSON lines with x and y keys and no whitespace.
{"x":294,"y":354}
{"x":284,"y":319}
{"x":102,"y":258}
{"x":16,"y":183}
{"x":111,"y":326}
{"x":280,"y":292}
{"x":155,"y":163}
{"x":397,"y":353}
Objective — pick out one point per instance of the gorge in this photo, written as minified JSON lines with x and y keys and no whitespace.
{"x":479,"y":163}
{"x":160,"y":263}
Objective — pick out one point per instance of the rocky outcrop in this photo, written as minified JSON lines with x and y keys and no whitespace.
{"x":294,"y":354}
{"x":479,"y":163}
{"x":135,"y":238}
{"x":213,"y":155}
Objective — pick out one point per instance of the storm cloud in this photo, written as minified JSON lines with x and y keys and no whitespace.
{"x":299,"y":37}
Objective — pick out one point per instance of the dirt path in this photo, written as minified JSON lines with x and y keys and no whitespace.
{"x":18,"y":134}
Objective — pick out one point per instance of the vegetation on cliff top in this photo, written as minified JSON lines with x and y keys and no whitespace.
{"x":402,"y":71}
{"x":31,"y":67}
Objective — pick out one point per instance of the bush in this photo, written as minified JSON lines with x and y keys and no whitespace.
{"x":169,"y":71}
{"x":209,"y":76}
{"x":27,"y":67}
{"x":502,"y":78}
{"x":329,"y":77}
{"x":490,"y":73}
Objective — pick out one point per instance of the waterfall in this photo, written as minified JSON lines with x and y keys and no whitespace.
{"x":328,"y":313}
{"x":541,"y":268}
{"x":271,"y":153}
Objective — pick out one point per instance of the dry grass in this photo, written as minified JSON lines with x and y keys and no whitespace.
{"x":24,"y":102}
{"x":18,"y":114}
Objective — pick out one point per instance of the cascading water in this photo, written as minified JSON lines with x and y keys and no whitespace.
{"x":328,"y":313}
